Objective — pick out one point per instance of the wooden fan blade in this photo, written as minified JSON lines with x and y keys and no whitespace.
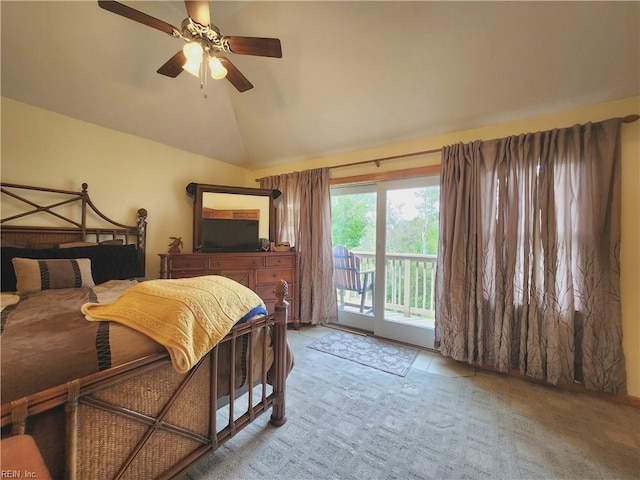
{"x":173,"y":67}
{"x":234,"y":76}
{"x":198,"y":10}
{"x":264,"y":47}
{"x":136,"y":16}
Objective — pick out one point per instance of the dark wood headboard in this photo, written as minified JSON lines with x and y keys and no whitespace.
{"x":31,"y":200}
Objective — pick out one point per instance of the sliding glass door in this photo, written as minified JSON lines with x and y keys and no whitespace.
{"x":396,"y":254}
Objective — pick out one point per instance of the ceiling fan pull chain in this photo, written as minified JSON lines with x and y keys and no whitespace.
{"x":203,"y":74}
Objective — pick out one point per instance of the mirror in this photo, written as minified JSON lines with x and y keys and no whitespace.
{"x":231,"y":214}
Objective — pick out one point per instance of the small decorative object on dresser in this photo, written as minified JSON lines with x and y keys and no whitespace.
{"x":256,"y":270}
{"x":175,"y":245}
{"x":281,"y":247}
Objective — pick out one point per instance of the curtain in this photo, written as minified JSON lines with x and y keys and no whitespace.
{"x":304,"y":219}
{"x":528,"y":263}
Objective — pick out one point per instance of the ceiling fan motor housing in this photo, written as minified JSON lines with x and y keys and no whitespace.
{"x":208,"y":36}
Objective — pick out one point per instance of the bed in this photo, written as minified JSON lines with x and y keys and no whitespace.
{"x":121,"y":405}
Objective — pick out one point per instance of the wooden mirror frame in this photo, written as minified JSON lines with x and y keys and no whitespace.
{"x":197,"y":190}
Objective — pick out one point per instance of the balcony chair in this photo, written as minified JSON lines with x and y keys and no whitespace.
{"x":349,"y":276}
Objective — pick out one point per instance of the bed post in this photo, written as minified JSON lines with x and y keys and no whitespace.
{"x":141,"y":239}
{"x":278,"y":413}
{"x":19,"y":413}
{"x":84,"y":196}
{"x":71,"y":410}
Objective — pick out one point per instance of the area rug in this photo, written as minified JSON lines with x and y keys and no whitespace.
{"x":370,"y":351}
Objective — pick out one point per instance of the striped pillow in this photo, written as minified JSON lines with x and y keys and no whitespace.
{"x":35,"y":275}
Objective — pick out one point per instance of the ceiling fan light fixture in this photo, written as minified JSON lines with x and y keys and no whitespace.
{"x":218,"y":71}
{"x":193,"y":51}
{"x":193,"y":68}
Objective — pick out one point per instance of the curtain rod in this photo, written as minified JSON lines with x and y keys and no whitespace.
{"x":382,"y":159}
{"x":627,"y":119}
{"x":378,"y":160}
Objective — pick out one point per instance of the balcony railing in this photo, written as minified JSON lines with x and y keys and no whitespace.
{"x":409,"y":284}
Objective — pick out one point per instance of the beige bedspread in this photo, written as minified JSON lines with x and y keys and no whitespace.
{"x":46,"y":341}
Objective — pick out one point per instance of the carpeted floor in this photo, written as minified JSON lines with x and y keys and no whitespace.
{"x":387,"y":356}
{"x":349,"y":421}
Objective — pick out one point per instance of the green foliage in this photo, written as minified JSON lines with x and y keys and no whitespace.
{"x":418,"y":234}
{"x":352,"y":220}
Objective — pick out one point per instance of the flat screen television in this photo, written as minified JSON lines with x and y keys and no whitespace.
{"x":228,"y":235}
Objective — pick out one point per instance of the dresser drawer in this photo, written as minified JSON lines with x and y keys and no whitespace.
{"x":187,"y":263}
{"x":265,"y":292}
{"x":243,"y":277}
{"x":270,"y":276}
{"x":234,"y":262}
{"x":278,"y":261}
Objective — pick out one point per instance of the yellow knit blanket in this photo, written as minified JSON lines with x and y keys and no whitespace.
{"x":189,"y":316}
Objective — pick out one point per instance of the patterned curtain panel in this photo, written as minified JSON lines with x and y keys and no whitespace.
{"x":304,"y":219}
{"x":528,"y":264}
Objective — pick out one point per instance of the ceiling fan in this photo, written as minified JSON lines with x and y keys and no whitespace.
{"x":205,"y":46}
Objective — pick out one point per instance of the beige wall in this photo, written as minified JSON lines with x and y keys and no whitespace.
{"x":630,"y":254}
{"x":125,"y":173}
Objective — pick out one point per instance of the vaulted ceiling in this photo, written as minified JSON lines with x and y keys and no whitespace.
{"x":353,"y":75}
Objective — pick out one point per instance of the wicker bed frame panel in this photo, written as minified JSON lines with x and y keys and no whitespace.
{"x":148,"y":421}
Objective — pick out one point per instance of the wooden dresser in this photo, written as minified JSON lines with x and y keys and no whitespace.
{"x":257,"y":270}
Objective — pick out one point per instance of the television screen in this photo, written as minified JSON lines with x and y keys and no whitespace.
{"x":227,"y":235}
